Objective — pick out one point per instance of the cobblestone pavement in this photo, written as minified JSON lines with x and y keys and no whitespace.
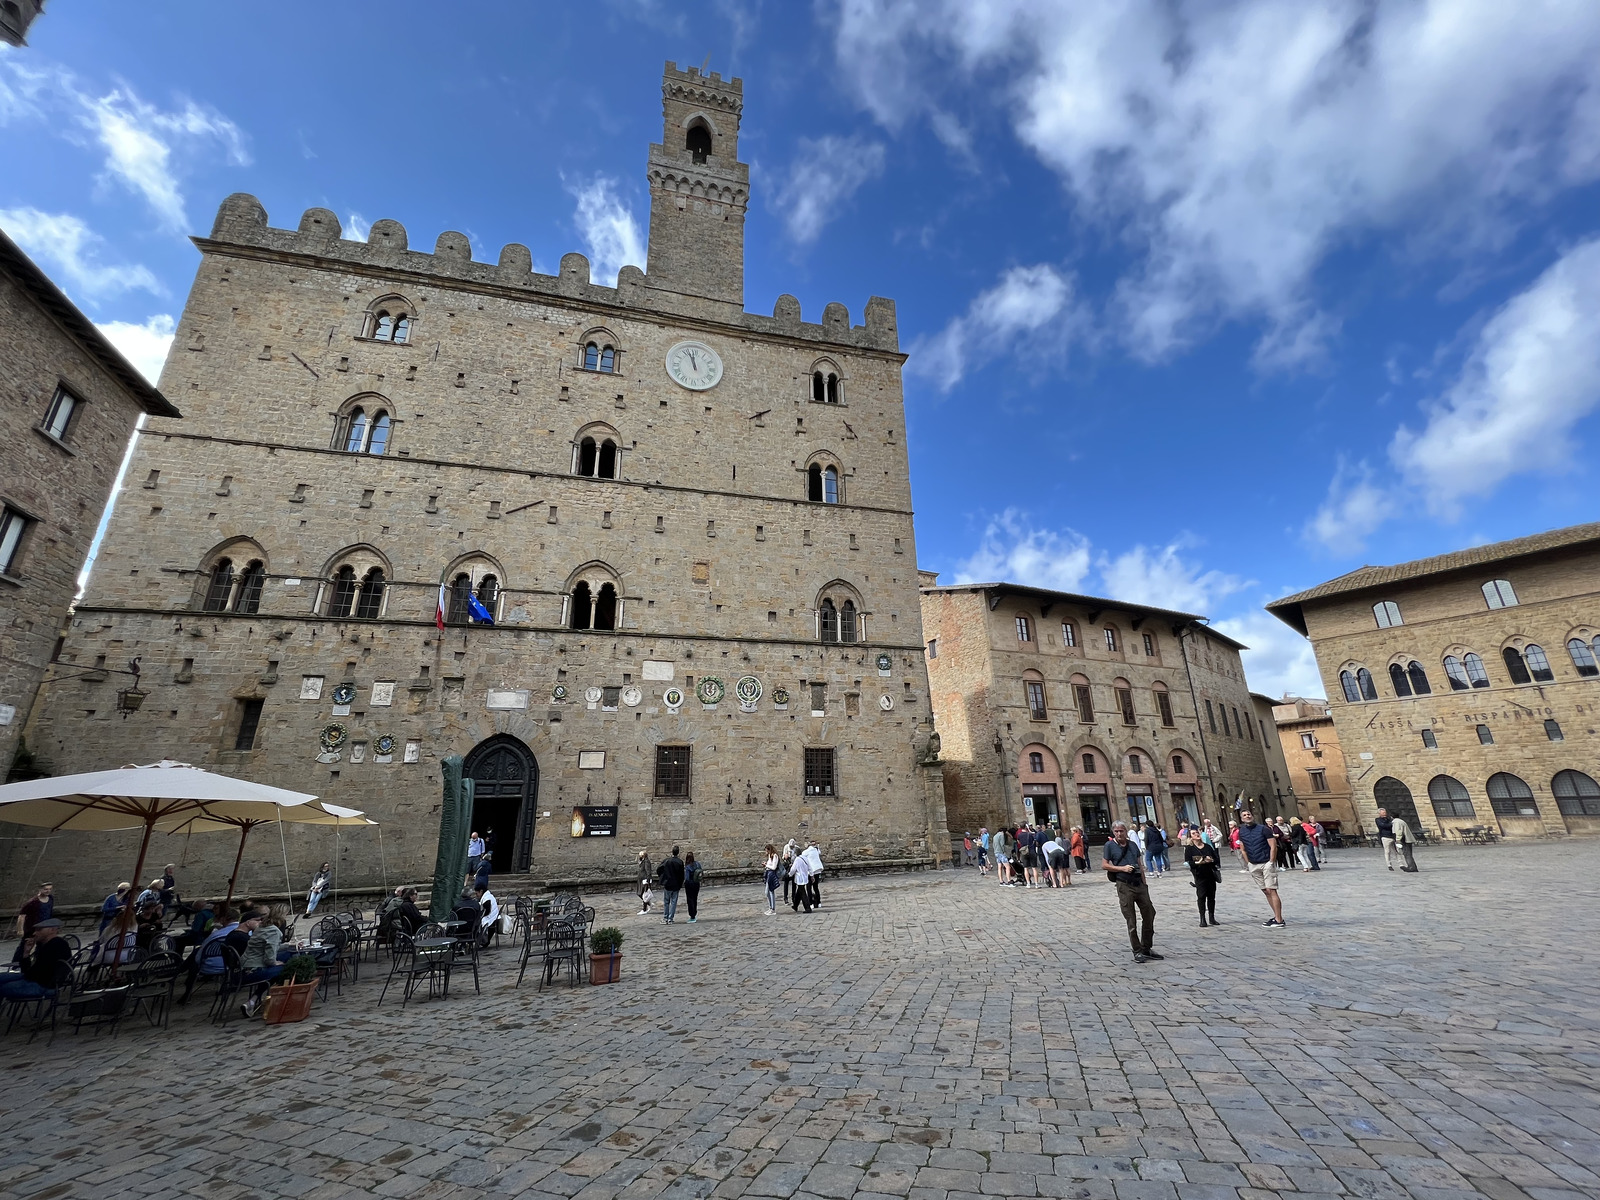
{"x":930,"y":1036}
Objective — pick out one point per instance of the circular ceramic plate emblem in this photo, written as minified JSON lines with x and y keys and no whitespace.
{"x":885,"y":663}
{"x":345,"y":693}
{"x":748,"y":689}
{"x":333,"y":736}
{"x":710,"y":690}
{"x":694,"y":365}
{"x":886,"y":702}
{"x":631,"y":696}
{"x":384,"y":745}
{"x":780,"y":695}
{"x":592,"y":695}
{"x":559,"y":692}
{"x":673,"y":698}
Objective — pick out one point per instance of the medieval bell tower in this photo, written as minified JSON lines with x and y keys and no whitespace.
{"x":699,"y":189}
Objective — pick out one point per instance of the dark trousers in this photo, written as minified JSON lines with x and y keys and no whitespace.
{"x":692,"y":896}
{"x":815,"y":888}
{"x":1411,"y":862}
{"x":1205,"y":896}
{"x":1135,"y":904}
{"x":802,"y":895}
{"x":788,"y":882}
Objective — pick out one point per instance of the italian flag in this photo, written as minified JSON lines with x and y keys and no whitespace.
{"x":438,"y":612}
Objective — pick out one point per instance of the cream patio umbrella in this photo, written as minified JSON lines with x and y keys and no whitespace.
{"x":162,"y":795}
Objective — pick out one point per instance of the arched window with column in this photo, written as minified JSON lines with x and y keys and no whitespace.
{"x":596,"y":450}
{"x":363,"y":425}
{"x":823,"y":476}
{"x":599,"y":349}
{"x":389,"y":319}
{"x":251,"y":581}
{"x":594,"y":598}
{"x":826,"y":386}
{"x":840,"y":616}
{"x":220,"y":588}
{"x":342,"y":596}
{"x":353,"y":584}
{"x":369,"y":600}
{"x":1583,"y":659}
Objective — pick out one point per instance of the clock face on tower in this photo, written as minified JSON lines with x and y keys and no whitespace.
{"x":694,"y":365}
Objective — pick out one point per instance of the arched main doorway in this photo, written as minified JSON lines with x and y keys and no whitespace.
{"x":505,"y":776}
{"x":1389,"y":793}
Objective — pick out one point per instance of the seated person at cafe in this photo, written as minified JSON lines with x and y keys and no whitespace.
{"x":112,"y":908}
{"x":469,"y":911}
{"x":259,"y":962}
{"x":43,"y":954}
{"x":408,"y":917}
{"x":200,"y":925}
{"x":387,"y":907}
{"x":147,"y":920}
{"x":491,"y":914}
{"x":208,"y":960}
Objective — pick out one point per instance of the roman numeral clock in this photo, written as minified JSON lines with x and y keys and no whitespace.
{"x":694,"y":365}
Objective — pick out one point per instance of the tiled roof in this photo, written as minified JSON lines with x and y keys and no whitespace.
{"x":1289,"y":609}
{"x":1103,"y":603}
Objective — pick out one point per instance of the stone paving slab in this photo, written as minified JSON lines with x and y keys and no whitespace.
{"x":924,"y":1037}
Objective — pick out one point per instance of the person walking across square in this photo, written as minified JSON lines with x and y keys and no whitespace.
{"x":1205,"y":865}
{"x":692,"y":874}
{"x":801,"y":872}
{"x":1120,"y":859}
{"x":1259,"y":849}
{"x":1404,"y":840}
{"x":670,"y":873}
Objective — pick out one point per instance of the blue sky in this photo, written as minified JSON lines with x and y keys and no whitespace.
{"x":1206,"y":302}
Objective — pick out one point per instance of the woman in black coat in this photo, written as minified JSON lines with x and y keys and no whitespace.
{"x":1205,"y":866}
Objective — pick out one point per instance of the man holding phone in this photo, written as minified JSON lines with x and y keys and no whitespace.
{"x":1120,"y":858}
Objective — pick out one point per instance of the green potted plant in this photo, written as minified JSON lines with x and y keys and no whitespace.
{"x":605,"y":963}
{"x":290,"y":998}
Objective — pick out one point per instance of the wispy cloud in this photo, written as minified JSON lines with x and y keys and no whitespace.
{"x":1013,"y":550}
{"x":357,"y":227}
{"x":1237,"y":145}
{"x":146,"y":148}
{"x":823,"y":176}
{"x":146,"y":345}
{"x":1162,"y":578}
{"x":1532,"y":373}
{"x":608,"y":229}
{"x":1034,"y":301}
{"x":1278,"y":660}
{"x":65,"y":243}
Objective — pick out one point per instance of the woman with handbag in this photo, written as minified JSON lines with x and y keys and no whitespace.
{"x":1206,"y":868}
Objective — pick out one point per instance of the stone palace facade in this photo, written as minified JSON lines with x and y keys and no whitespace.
{"x":644,"y":558}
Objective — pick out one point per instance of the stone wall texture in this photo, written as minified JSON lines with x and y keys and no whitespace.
{"x":707,"y":533}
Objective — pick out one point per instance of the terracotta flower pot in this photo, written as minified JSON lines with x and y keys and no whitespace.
{"x":289,"y":1002}
{"x":605,"y":968}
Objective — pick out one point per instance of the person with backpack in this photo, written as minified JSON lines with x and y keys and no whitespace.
{"x":692,"y":874}
{"x":1002,"y":855}
{"x":983,"y":850}
{"x":1155,"y":846}
{"x":670,"y":873}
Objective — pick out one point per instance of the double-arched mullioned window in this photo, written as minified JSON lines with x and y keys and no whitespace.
{"x":235,"y":579}
{"x":596,"y":451}
{"x":389,"y":319}
{"x":1408,"y":678}
{"x":839,"y":614}
{"x":355,"y":585}
{"x":826,"y":385}
{"x":600,"y":350}
{"x":1527,"y":663}
{"x":594,"y":598}
{"x":1357,"y":684}
{"x":364,"y":425}
{"x":1465,"y":671}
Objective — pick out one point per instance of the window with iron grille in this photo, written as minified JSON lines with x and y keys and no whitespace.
{"x":1085,"y":702}
{"x":1125,"y":703}
{"x":1164,"y":707}
{"x":672,"y":771}
{"x":1552,"y":730}
{"x":1177,"y":764}
{"x":249,"y":721}
{"x":1485,"y":737}
{"x":819,"y":771}
{"x":933,"y":648}
{"x":1136,"y":764}
{"x":1036,"y":708}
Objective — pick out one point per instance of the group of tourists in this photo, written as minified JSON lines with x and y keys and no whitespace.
{"x":795,"y":870}
{"x":1028,"y":855}
{"x":675,"y":875}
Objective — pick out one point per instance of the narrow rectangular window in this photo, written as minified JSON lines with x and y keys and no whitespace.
{"x":1429,"y":741}
{"x":1211,"y":717}
{"x":1024,"y":632}
{"x":1319,"y":780}
{"x":1085,"y":702}
{"x":672,"y":771}
{"x":1069,"y":634}
{"x":1552,"y":730}
{"x":59,"y":418}
{"x":1111,"y":639}
{"x":1245,"y":725}
{"x":12,"y":526}
{"x":1164,"y":706}
{"x":249,"y":719}
{"x":819,"y":771}
{"x":1308,"y":740}
{"x":1222,"y":710}
{"x":1150,"y":645}
{"x":1036,"y":708}
{"x":1485,"y":738}
{"x":933,"y":648}
{"x":1125,"y":703}
{"x":609,"y":698}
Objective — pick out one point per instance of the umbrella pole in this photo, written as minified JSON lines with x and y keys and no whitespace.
{"x":288,"y":887}
{"x":118,"y":952}
{"x":244,"y":832}
{"x":383,"y":863}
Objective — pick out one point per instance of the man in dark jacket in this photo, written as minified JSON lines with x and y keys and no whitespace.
{"x":1385,"y":825}
{"x":670,"y":873}
{"x":408,"y":917}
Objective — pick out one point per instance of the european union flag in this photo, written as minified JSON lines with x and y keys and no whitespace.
{"x":480,"y":614}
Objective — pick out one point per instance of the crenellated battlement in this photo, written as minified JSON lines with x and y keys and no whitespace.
{"x":242,"y":221}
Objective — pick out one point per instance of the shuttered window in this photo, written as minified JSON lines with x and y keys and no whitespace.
{"x":1085,"y":702}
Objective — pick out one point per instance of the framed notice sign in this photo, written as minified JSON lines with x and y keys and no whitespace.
{"x":594,"y":821}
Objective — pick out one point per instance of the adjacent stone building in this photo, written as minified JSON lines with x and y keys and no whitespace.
{"x":68,"y":404}
{"x":1054,"y":707}
{"x":1317,"y":776}
{"x":1465,"y":688}
{"x":1280,"y":800}
{"x":644,"y":558}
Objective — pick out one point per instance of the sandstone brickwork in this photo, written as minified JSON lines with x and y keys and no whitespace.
{"x":988,"y":642}
{"x":1399,"y":743}
{"x":59,"y":485}
{"x":545,"y":474}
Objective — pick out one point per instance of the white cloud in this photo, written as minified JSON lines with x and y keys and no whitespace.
{"x":1162,"y":579}
{"x":608,"y":228}
{"x":1035,"y":301}
{"x":825,"y":174}
{"x":1534,"y":373}
{"x":63,"y":242}
{"x":145,"y":346}
{"x":1014,"y":551}
{"x":357,"y":227}
{"x":1237,"y":144}
{"x":1356,"y":505}
{"x":144,"y":146}
{"x":1278,"y":660}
